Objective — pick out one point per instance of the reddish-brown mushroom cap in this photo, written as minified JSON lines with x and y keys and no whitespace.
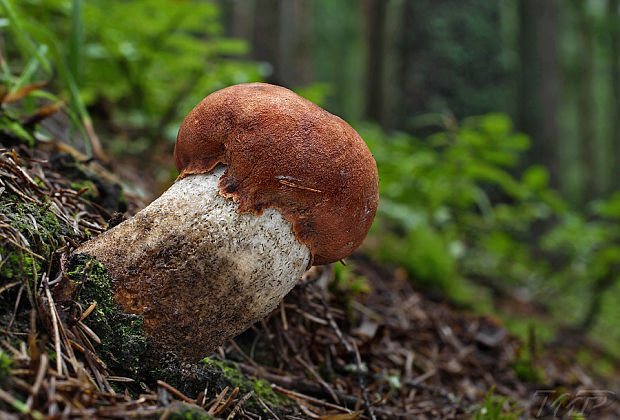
{"x":285,"y":152}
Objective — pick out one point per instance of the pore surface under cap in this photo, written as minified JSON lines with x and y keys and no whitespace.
{"x":283,"y":151}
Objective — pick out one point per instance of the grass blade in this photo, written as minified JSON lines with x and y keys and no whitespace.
{"x":22,"y":36}
{"x":29,"y":70}
{"x":76,"y":40}
{"x":91,"y":141}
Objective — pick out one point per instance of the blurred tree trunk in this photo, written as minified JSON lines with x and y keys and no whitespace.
{"x":295,"y":61}
{"x":238,"y":18}
{"x":287,"y":43}
{"x":410,"y":99}
{"x":600,"y":287}
{"x":375,"y":28}
{"x":450,"y":62}
{"x":538,"y":81}
{"x":585,"y":101}
{"x":550,"y":80}
{"x":392,"y":89}
{"x":280,"y":33}
{"x":613,"y":8}
{"x":305,"y":27}
{"x":339,"y":50}
{"x":265,"y":38}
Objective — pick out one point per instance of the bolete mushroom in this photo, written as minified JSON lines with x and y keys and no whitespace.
{"x":269,"y":184}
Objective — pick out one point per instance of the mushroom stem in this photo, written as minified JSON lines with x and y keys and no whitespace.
{"x":195,"y":269}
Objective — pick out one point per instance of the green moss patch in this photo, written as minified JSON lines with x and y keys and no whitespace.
{"x":35,"y":224}
{"x":5,"y":366}
{"x":182,"y":411}
{"x":123,"y":343}
{"x":231,"y":376}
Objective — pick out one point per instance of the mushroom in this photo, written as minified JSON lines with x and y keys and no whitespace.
{"x":269,"y":184}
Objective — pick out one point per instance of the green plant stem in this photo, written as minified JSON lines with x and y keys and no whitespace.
{"x":22,"y":36}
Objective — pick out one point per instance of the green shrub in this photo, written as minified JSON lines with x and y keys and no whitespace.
{"x":460,"y":215}
{"x":144,"y":64}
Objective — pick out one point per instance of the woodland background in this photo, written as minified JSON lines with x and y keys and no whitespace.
{"x":495,"y":126}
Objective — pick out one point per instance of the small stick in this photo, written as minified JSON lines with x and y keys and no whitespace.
{"x":89,"y":332}
{"x":88,"y":311}
{"x":434,"y":390}
{"x":119,"y":379}
{"x":313,"y":400}
{"x":166,"y":414}
{"x":283,"y":314}
{"x":332,"y":323}
{"x":175,"y":392}
{"x":239,"y":404}
{"x":8,"y":286}
{"x":301,"y":187}
{"x":38,"y":381}
{"x":204,"y":396}
{"x":228,"y":401}
{"x":18,"y":405}
{"x":50,"y":301}
{"x":216,"y":401}
{"x":16,"y":306}
{"x":362,"y":382}
{"x":318,"y":378}
{"x":242,"y":353}
{"x":266,"y":407}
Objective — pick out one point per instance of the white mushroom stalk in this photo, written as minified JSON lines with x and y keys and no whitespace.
{"x":190,"y":258}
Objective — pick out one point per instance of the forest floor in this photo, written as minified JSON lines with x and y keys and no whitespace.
{"x":346,"y":343}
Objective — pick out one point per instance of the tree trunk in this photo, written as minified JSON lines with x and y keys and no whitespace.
{"x":537,"y":84}
{"x":410,"y":99}
{"x":287,"y":45}
{"x":585,"y":102}
{"x":265,"y":39}
{"x":392,"y":65}
{"x":595,"y":306}
{"x":375,"y":24}
{"x":614,"y":72}
{"x":238,"y":18}
{"x":305,"y":29}
{"x":550,"y":85}
{"x":294,"y":59}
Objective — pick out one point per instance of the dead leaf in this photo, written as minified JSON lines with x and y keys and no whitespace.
{"x":20,"y":93}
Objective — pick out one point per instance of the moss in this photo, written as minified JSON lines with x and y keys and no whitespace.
{"x":39,"y":226}
{"x":90,"y":193}
{"x":182,"y":411}
{"x":18,"y":263}
{"x":5,"y":366}
{"x":189,"y":378}
{"x":527,"y":371}
{"x":123,"y":343}
{"x":44,"y":234}
{"x":233,"y":377}
{"x":497,"y":407}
